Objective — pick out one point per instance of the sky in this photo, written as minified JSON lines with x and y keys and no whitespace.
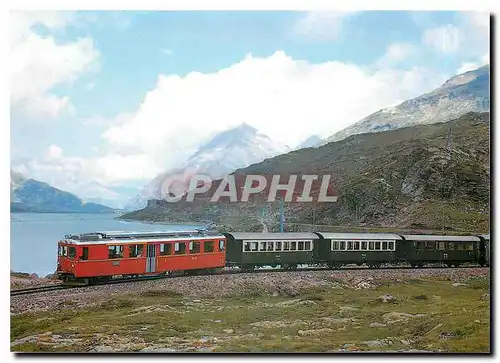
{"x":102,"y":102}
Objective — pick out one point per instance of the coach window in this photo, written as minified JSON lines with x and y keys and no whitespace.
{"x":377,"y":246}
{"x":72,"y":252}
{"x":371,"y":245}
{"x":384,"y":246}
{"x":451,"y":245}
{"x":363,"y":246}
{"x":135,"y":250}
{"x":342,"y":246}
{"x":356,"y":245}
{"x":286,"y":246}
{"x":391,"y":246}
{"x":194,"y":247}
{"x":307,"y":245}
{"x":441,"y":246}
{"x":115,"y":252}
{"x":277,"y":246}
{"x":255,"y":246}
{"x":430,"y":245}
{"x":300,"y":245}
{"x":208,"y":246}
{"x":293,"y":246}
{"x":349,"y":245}
{"x":262,"y":246}
{"x":222,"y":245}
{"x":335,"y":245}
{"x":469,"y":246}
{"x":179,"y":248}
{"x":247,"y":246}
{"x":270,"y":246}
{"x":165,"y":249}
{"x":65,"y":250}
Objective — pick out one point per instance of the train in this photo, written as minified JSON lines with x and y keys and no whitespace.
{"x":100,"y":256}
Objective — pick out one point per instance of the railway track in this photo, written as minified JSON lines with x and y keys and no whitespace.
{"x":39,"y":289}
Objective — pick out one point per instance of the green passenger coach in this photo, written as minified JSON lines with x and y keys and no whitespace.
{"x":287,"y":250}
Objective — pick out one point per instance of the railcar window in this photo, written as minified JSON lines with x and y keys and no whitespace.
{"x":384,"y":246}
{"x":356,"y":245}
{"x":286,"y":246}
{"x":277,"y":247}
{"x":180,"y":248}
{"x":165,"y":249}
{"x":430,"y":245}
{"x":59,"y":250}
{"x":371,"y":245}
{"x":342,"y":245}
{"x":441,"y":246}
{"x":115,"y":252}
{"x":300,"y":245}
{"x":85,"y":254}
{"x":194,"y":247}
{"x":451,"y":245}
{"x":335,"y":245}
{"x":460,"y":246}
{"x":391,"y":246}
{"x":363,"y":246}
{"x":135,"y":250}
{"x":469,"y":246}
{"x":270,"y":246}
{"x":349,"y":245}
{"x":72,"y":252}
{"x":307,"y":246}
{"x":247,"y":246}
{"x":377,"y":245}
{"x":208,"y":246}
{"x":293,"y":246}
{"x":262,"y":246}
{"x":255,"y":246}
{"x":65,"y":250}
{"x":222,"y":245}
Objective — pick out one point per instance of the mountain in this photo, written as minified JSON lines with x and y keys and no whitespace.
{"x":227,"y":151}
{"x":411,"y":178}
{"x":30,"y":195}
{"x":311,"y":141}
{"x":467,"y":92}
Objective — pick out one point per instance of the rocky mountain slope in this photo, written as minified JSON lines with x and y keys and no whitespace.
{"x":467,"y":92}
{"x":229,"y":150}
{"x":405,"y":178}
{"x":30,"y":195}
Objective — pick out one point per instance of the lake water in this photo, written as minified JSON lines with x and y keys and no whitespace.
{"x":34,"y":236}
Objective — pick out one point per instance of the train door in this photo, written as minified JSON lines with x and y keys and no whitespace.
{"x":151,"y":258}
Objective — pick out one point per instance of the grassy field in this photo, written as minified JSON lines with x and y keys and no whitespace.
{"x":424,"y":314}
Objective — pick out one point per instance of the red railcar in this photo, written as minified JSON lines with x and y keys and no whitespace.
{"x":102,"y":255}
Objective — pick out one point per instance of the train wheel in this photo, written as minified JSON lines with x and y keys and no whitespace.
{"x":413,"y":265}
{"x":456,"y":264}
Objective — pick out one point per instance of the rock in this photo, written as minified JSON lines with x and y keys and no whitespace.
{"x":446,"y":335}
{"x":405,"y":342}
{"x":102,"y":349}
{"x":377,"y":325}
{"x":455,"y":284}
{"x":386,"y":298}
{"x":314,"y":332}
{"x":394,"y":317}
{"x":196,"y":301}
{"x":436,"y":327}
{"x":218,"y":321}
{"x":157,"y":350}
{"x":485,"y":297}
{"x":477,"y":321}
{"x":228,"y":331}
{"x":436,"y":297}
{"x":421,"y":297}
{"x":377,"y":343}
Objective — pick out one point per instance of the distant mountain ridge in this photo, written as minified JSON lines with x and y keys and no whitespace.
{"x":463,"y":93}
{"x":30,"y":195}
{"x":227,"y":151}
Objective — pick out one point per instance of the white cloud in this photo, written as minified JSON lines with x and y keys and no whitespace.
{"x":395,"y":53}
{"x":39,"y":63}
{"x":282,"y":97}
{"x":54,"y":152}
{"x":444,"y":39}
{"x":321,"y":25}
{"x":166,"y":51}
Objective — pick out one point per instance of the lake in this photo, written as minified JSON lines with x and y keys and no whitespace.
{"x":34,"y":236}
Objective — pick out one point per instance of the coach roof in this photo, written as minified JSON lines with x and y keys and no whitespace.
{"x":360,"y":236}
{"x":272,"y":236}
{"x":422,"y":237}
